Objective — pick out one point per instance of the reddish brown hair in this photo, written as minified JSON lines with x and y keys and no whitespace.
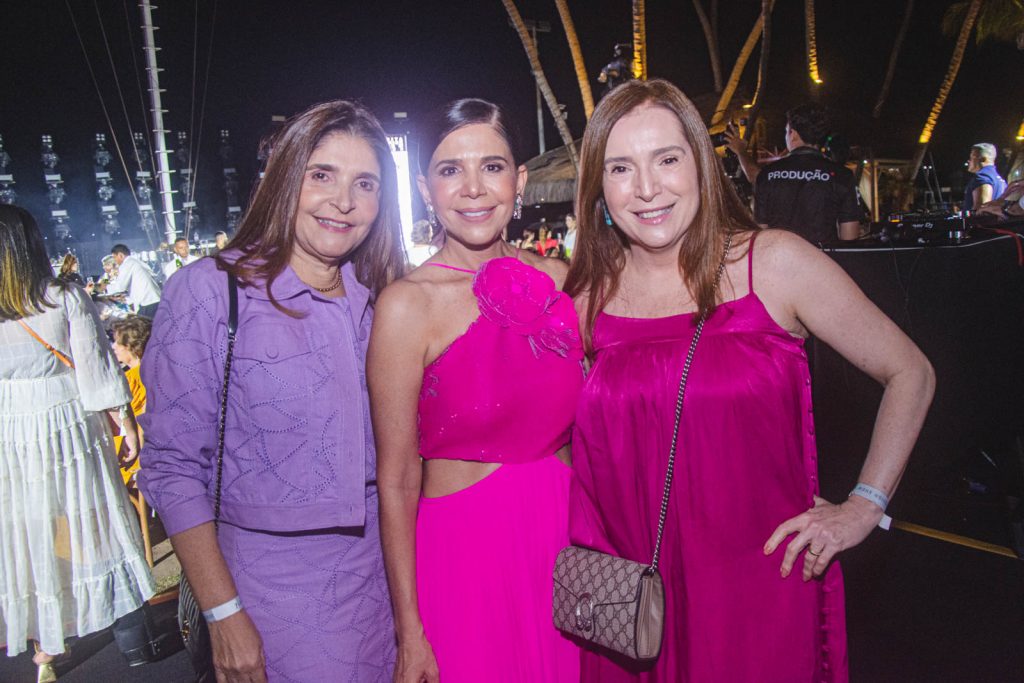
{"x":599,"y":256}
{"x":267,"y":232}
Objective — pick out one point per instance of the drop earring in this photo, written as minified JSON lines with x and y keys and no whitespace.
{"x":607,"y":216}
{"x":431,"y":216}
{"x":517,"y":211}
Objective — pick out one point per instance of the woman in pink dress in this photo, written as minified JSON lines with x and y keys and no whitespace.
{"x":461,"y":349}
{"x":656,"y":218}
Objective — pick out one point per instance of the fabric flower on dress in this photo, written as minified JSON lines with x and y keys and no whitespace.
{"x":525,"y":300}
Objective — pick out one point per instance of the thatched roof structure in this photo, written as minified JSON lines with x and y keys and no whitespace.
{"x":550,"y":179}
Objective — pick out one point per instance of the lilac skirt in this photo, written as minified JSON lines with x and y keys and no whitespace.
{"x":319,"y":600}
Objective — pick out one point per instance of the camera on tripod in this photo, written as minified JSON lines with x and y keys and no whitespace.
{"x":719,"y":139}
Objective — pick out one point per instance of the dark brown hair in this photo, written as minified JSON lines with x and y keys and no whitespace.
{"x":266,"y":233}
{"x":459,"y":114}
{"x":133,"y":333}
{"x":25,"y":270}
{"x":599,"y":256}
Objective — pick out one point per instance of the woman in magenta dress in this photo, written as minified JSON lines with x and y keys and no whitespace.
{"x":655,"y":217}
{"x":462,"y":348}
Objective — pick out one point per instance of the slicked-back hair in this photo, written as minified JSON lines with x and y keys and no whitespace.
{"x":25,"y":270}
{"x":459,"y":114}
{"x":600,"y":252}
{"x":266,"y":234}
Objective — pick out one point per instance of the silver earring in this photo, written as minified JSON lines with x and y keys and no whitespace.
{"x":517,"y":212}
{"x":431,"y":216}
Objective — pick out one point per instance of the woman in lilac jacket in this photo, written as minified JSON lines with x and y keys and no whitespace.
{"x":292,"y":582}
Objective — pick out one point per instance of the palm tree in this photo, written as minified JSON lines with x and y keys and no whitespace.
{"x":711,"y":36}
{"x":947,"y":85}
{"x":893,"y":56}
{"x":812,"y":45}
{"x":762,"y":68}
{"x":639,"y":40}
{"x":999,"y":20}
{"x":739,"y":66}
{"x":542,"y":82}
{"x":577,"y":57}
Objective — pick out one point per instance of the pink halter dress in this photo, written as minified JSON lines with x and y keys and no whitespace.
{"x":504,"y":392}
{"x":746,"y":462}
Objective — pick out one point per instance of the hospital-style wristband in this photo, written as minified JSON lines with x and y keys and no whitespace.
{"x":876,"y":497}
{"x":223,"y":611}
{"x":872,"y":494}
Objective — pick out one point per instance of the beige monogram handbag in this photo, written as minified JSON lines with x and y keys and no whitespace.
{"x":610,"y":601}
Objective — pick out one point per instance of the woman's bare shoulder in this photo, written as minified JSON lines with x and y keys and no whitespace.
{"x":555,"y":268}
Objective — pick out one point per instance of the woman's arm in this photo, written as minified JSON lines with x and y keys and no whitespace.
{"x":809,"y":290}
{"x":183,"y":370}
{"x":395,"y":375}
{"x":237,"y":646}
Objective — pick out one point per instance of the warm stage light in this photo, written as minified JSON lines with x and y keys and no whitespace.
{"x":1020,"y":131}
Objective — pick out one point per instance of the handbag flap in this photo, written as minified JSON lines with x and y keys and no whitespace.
{"x":609,"y":580}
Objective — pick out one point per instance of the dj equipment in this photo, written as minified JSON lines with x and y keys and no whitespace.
{"x":925,"y":227}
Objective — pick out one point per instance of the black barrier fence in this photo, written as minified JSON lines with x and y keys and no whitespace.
{"x":963,"y":304}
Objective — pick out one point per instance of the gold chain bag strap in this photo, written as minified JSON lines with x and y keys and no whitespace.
{"x":610,"y":601}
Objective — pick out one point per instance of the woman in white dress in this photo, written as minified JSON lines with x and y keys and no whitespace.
{"x":71,"y":559}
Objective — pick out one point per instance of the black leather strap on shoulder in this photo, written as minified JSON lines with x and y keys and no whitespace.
{"x":232,"y":331}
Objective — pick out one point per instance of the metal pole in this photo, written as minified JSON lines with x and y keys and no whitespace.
{"x":163,"y":169}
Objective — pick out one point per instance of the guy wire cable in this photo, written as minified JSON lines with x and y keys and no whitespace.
{"x":103,"y":105}
{"x":141,"y":90}
{"x":202,"y":106}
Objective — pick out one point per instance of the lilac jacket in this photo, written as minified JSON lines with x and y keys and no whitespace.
{"x":298,"y":444}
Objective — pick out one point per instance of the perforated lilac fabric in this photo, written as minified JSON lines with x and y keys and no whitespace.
{"x":299,"y":516}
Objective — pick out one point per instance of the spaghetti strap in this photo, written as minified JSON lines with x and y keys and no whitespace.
{"x":750,"y":263}
{"x":445,"y":265}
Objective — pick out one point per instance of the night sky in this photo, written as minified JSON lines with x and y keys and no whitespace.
{"x":275,"y":58}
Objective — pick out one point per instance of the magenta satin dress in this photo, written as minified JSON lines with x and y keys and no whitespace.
{"x":746,"y":462}
{"x":503,"y":392}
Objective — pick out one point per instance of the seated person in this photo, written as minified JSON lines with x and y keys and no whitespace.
{"x":130,"y":338}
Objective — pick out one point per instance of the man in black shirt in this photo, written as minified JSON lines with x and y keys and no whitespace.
{"x":806,"y":192}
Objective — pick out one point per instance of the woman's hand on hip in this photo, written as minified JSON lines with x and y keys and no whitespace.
{"x":237,"y":650}
{"x":824,"y":530}
{"x":416,"y":663}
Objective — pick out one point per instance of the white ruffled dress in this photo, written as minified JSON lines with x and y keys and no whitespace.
{"x":71,"y":558}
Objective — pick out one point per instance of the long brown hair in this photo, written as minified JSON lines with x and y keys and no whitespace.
{"x":25,"y":270}
{"x":266,"y":234}
{"x":599,"y":256}
{"x":67,"y":266}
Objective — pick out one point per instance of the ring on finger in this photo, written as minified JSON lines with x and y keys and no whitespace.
{"x":810,"y":551}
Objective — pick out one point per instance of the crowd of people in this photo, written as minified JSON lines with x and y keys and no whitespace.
{"x":333,"y":430}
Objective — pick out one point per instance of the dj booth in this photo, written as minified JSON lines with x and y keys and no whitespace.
{"x":959,"y":294}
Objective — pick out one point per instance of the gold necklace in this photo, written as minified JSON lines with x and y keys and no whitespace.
{"x":328,"y":290}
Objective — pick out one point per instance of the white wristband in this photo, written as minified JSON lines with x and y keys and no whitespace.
{"x":223,"y":611}
{"x":872,"y":494}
